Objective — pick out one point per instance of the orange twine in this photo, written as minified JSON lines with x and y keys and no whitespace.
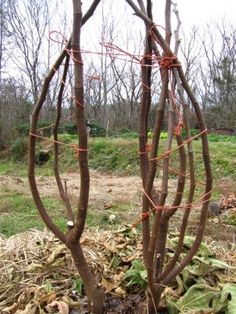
{"x":168,"y":152}
{"x":76,"y":149}
{"x":145,"y":215}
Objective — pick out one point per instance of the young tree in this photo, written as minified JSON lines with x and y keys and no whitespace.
{"x":75,"y":226}
{"x":155,"y":230}
{"x":3,"y":37}
{"x":157,"y":207}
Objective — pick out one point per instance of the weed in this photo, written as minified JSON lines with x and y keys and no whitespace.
{"x":78,"y":286}
{"x":136,"y":275}
{"x":232,"y":220}
{"x":119,"y":156}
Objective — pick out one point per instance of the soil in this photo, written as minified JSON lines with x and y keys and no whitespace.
{"x":106,"y":190}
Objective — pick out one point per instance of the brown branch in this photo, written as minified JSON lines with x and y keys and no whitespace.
{"x":94,"y":291}
{"x":81,"y":125}
{"x":155,"y":31}
{"x":32,"y":144}
{"x":33,"y":130}
{"x":155,"y":241}
{"x":183,"y":227}
{"x":168,"y":22}
{"x":62,"y":191}
{"x":207,"y":195}
{"x":177,"y":39}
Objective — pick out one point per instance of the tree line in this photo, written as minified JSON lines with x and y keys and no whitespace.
{"x":112,"y":80}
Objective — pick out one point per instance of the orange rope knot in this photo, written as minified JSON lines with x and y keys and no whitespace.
{"x":77,"y":150}
{"x":168,"y":62}
{"x":178,"y":128}
{"x":73,"y":55}
{"x":148,"y":149}
{"x":144,"y":216}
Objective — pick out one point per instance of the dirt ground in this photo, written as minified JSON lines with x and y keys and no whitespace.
{"x":106,"y":190}
{"x":103,"y":188}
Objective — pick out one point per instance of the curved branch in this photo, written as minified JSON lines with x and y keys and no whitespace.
{"x":33,"y":130}
{"x":62,"y":191}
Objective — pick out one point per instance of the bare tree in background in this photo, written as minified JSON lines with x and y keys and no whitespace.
{"x":99,"y":79}
{"x":3,"y":36}
{"x":125,"y":94}
{"x":15,"y":108}
{"x":219,"y":78}
{"x":28,"y":24}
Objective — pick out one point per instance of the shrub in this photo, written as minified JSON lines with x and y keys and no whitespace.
{"x":70,"y":128}
{"x":42,"y":157}
{"x":130,"y":134}
{"x":23,"y":128}
{"x":68,"y":138}
{"x":19,"y":149}
{"x":194,"y":132}
{"x":96,"y":130}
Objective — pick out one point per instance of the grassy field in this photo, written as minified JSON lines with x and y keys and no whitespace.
{"x":108,"y":156}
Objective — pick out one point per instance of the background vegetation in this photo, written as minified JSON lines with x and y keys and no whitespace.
{"x":116,"y":156}
{"x":112,"y":96}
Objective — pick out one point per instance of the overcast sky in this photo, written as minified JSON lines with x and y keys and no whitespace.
{"x":192,"y":13}
{"x":199,"y":12}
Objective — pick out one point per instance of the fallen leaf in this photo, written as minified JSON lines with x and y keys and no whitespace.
{"x":120,"y":291}
{"x":108,"y":285}
{"x":48,"y":298}
{"x":10,"y":309}
{"x":60,"y":306}
{"x":29,"y":309}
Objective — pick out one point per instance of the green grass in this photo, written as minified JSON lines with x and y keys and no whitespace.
{"x":18,"y":213}
{"x":116,"y":156}
{"x":8,"y":167}
{"x":119,"y":156}
{"x":110,"y":218}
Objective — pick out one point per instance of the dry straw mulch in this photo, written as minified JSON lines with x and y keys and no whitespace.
{"x":37,"y":273}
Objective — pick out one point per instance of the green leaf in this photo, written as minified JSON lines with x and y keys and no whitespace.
{"x":137,"y":265}
{"x":171,"y":305}
{"x":188,"y":242}
{"x":137,"y":274}
{"x":229,"y":293}
{"x":198,"y":297}
{"x":78,"y":285}
{"x":48,"y":286}
{"x":213,"y":263}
